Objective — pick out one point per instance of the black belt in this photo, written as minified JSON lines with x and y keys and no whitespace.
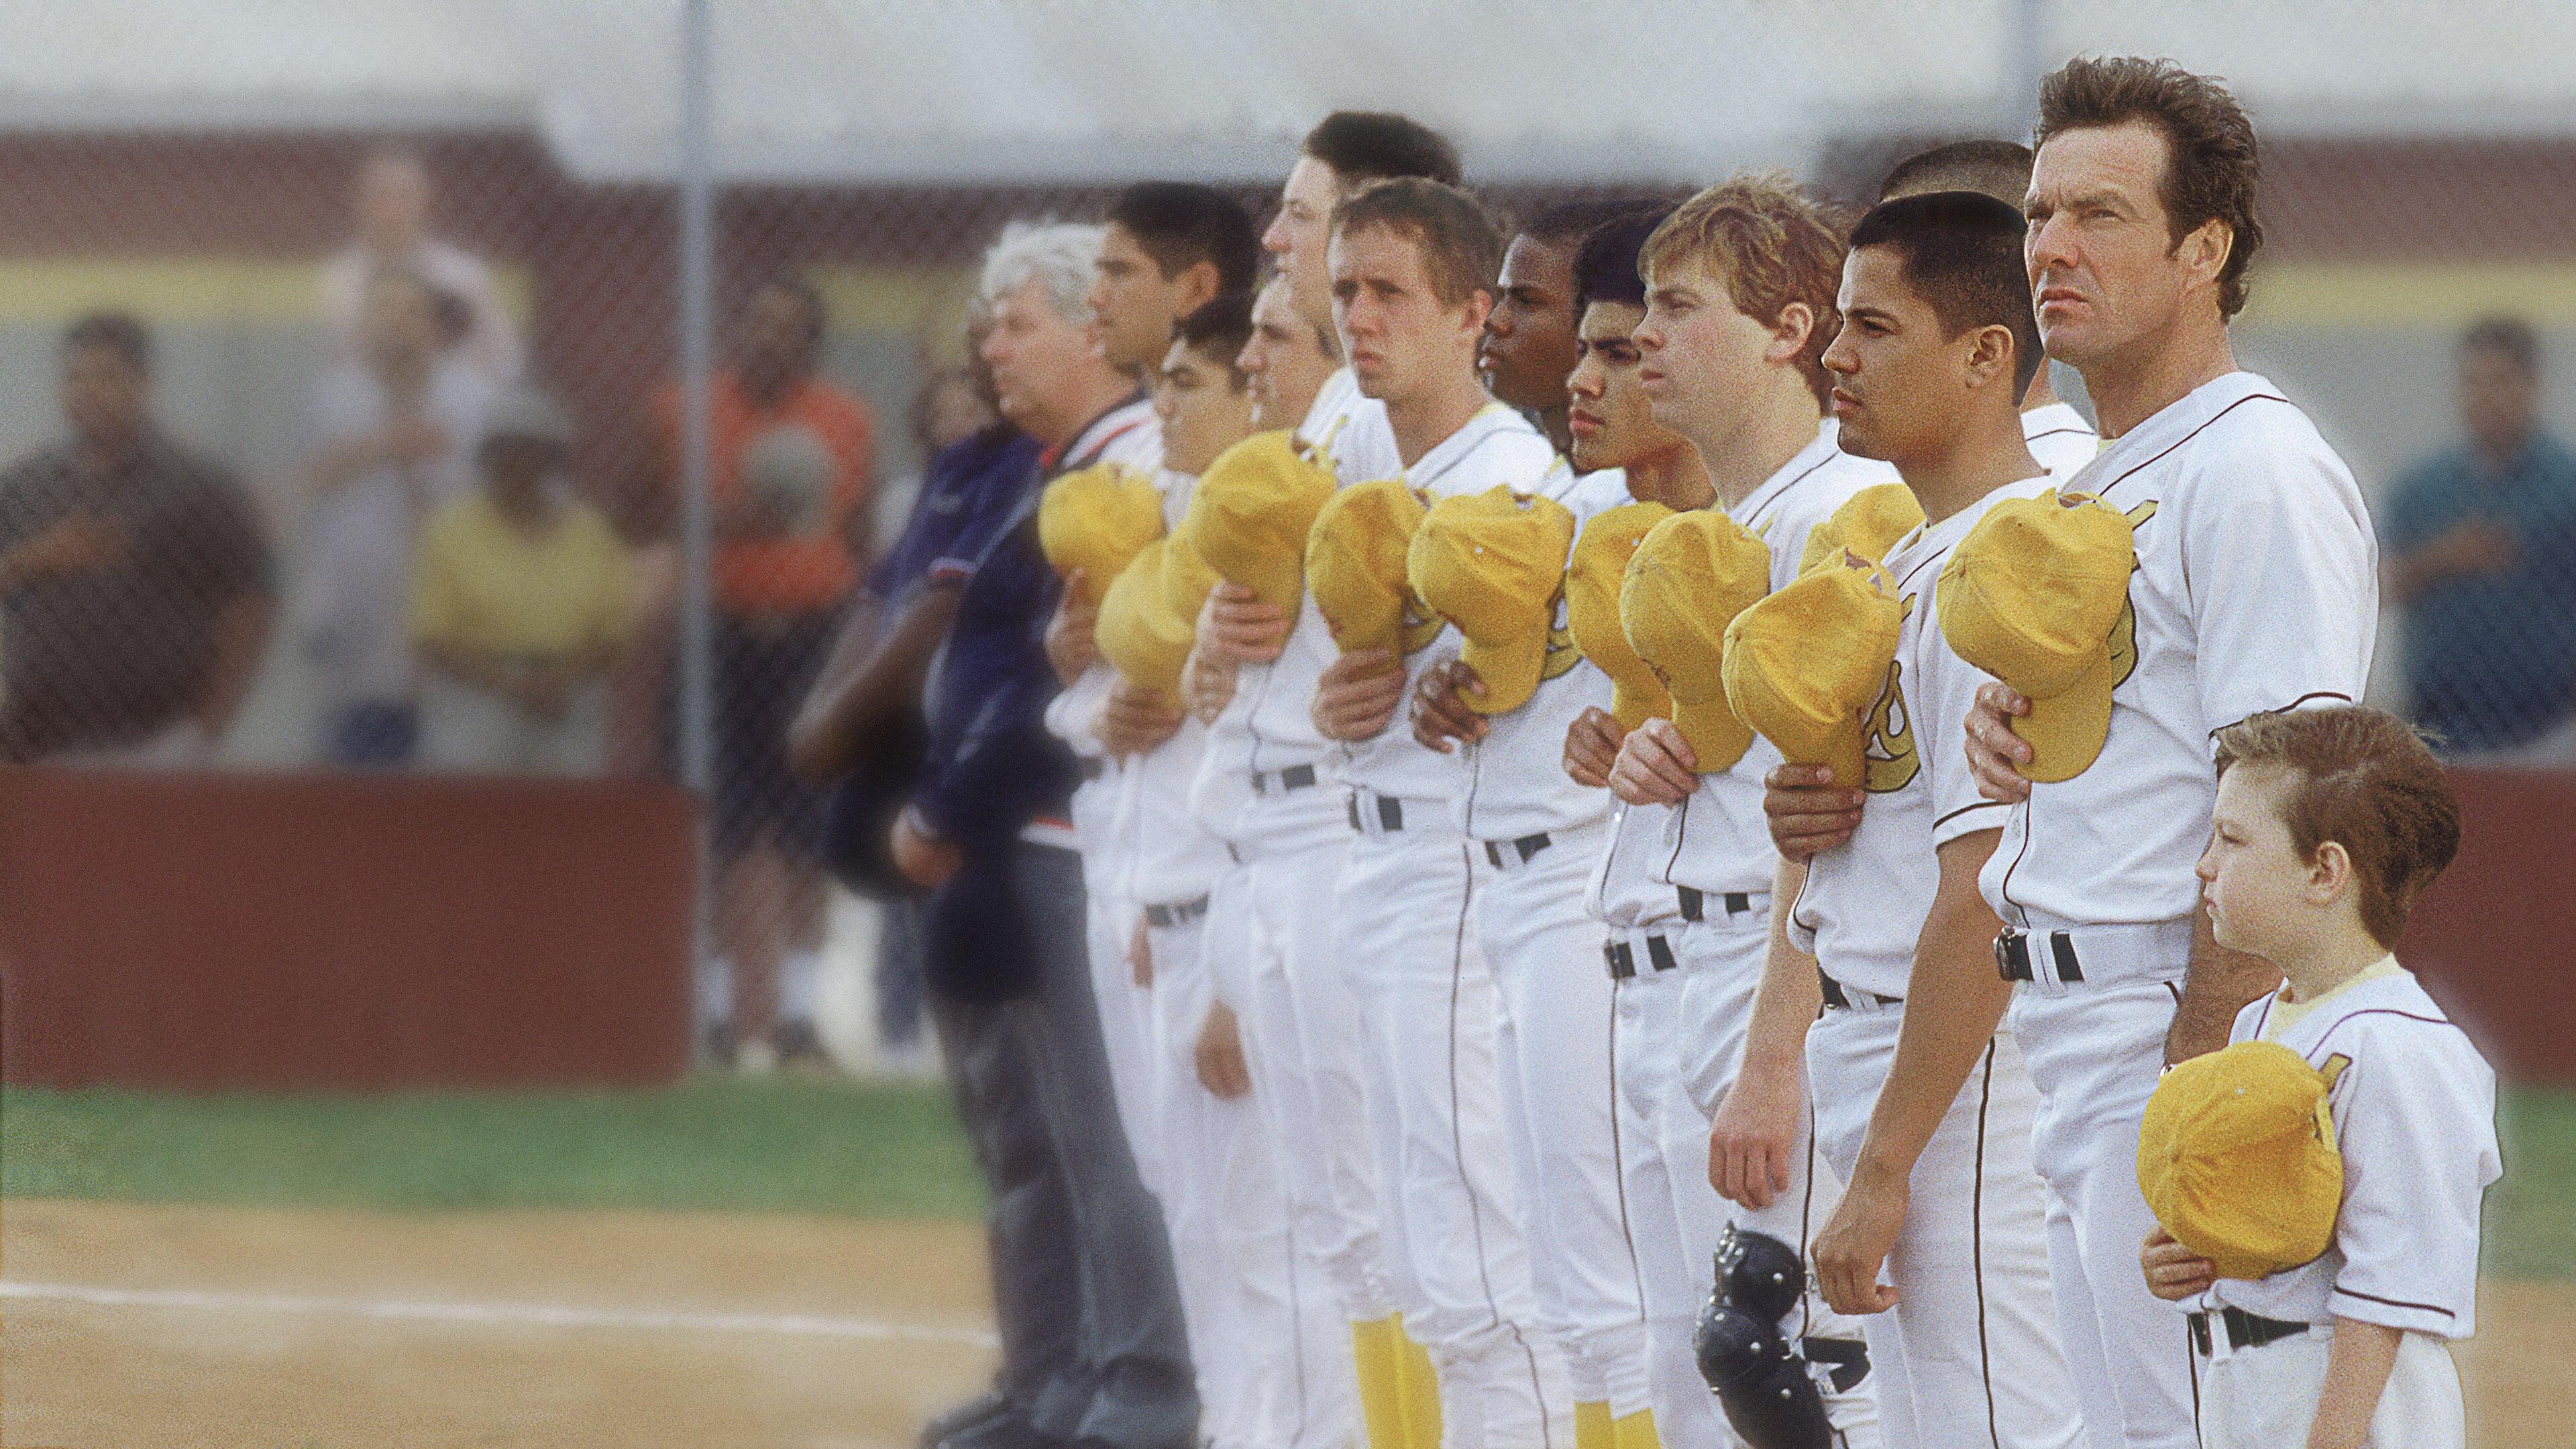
{"x":1694,"y":903}
{"x":1166,"y":917}
{"x":1390,"y":812}
{"x":1523,"y":848}
{"x":1623,"y":959}
{"x":1093,"y":769}
{"x":2244,"y":1330}
{"x":2013,"y":956}
{"x":1295,"y":777}
{"x":1839,"y":997}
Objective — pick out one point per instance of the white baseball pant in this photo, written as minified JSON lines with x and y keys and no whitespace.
{"x":2095,"y":1048}
{"x":1303,"y":1045}
{"x":2266,"y":1397}
{"x":1126,"y":1016}
{"x":1428,"y":1011}
{"x":1560,"y":1105}
{"x":1262,"y":1329}
{"x":1974,"y":1323}
{"x":1680,"y":1039}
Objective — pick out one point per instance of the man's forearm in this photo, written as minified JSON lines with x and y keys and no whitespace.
{"x":1787,"y":1001}
{"x":2217,"y":985}
{"x":1954,"y":999}
{"x":2358,"y":1363}
{"x":839,"y":715}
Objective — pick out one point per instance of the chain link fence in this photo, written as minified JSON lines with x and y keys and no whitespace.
{"x":355,"y":445}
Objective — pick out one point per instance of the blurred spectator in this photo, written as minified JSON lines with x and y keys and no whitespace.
{"x":2481,"y":543}
{"x":790,"y":486}
{"x":394,"y":435}
{"x":391,"y":213}
{"x":519,"y":606}
{"x":135,"y":581}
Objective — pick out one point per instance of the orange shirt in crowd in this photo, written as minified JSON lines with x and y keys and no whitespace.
{"x":810,"y":568}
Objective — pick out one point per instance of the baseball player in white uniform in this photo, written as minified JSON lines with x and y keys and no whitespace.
{"x":2348,"y":1347}
{"x":1412,"y":263}
{"x":2243,"y":518}
{"x":1728,"y":345}
{"x":1922,"y":1105}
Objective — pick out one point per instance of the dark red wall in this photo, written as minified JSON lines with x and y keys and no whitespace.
{"x":309,"y":931}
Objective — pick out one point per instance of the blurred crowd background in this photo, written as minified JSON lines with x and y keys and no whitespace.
{"x":340,"y":380}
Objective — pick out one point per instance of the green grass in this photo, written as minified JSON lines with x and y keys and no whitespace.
{"x":715,"y":1143}
{"x":711,"y":1143}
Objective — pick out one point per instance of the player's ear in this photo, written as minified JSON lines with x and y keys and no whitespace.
{"x":2206,"y":248}
{"x":1789,"y":332}
{"x":2330,"y":874}
{"x":1990,"y":355}
{"x":1480,"y":305}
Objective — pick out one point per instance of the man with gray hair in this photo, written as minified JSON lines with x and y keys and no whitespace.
{"x":1093,"y":1351}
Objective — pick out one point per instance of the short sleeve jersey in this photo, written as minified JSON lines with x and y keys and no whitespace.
{"x":1495,"y":447}
{"x":1516,"y":780}
{"x":2256,"y":588}
{"x":1861,"y":909}
{"x":2414,"y":1115}
{"x":1716,"y":841}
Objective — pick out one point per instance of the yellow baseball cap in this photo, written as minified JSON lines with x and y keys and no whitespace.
{"x":1095,"y":519}
{"x":1355,"y":564}
{"x":1592,"y":580}
{"x":1492,"y":563}
{"x":1134,"y":630}
{"x":1804,"y":666}
{"x":1251,"y":510}
{"x":2237,"y":1157}
{"x":2032,"y":596}
{"x":1692,"y":574}
{"x":1869,"y":523}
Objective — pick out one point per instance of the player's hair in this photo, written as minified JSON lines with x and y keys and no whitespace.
{"x":1327,"y":341}
{"x":1181,"y":224}
{"x":1372,"y":145}
{"x":1058,"y":255}
{"x":1567,"y":223}
{"x":1218,"y":330}
{"x":1605,"y":267}
{"x":1960,"y":251}
{"x":1461,"y":243}
{"x":2000,"y":169}
{"x":2367,"y":781}
{"x":122,"y":333}
{"x":2211,"y":168}
{"x":2510,"y":338}
{"x":1770,"y":244}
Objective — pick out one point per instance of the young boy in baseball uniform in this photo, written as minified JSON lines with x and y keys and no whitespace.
{"x":1412,"y":264}
{"x":1739,"y":292}
{"x":1921,"y":1104}
{"x":2141,"y":226}
{"x":2328,"y":824}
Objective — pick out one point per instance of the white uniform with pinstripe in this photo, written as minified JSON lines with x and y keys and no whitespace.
{"x":1431,"y":1029}
{"x":2256,"y":589}
{"x":2414,"y":1116}
{"x":1687,"y":1000}
{"x":1974,"y":1330}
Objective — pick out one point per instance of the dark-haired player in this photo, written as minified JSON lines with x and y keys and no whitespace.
{"x":1167,"y":249}
{"x":1529,"y":340}
{"x":1920,"y":1102}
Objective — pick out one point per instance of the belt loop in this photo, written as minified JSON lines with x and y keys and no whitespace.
{"x":1390,"y":813}
{"x":1693,"y":907}
{"x":1738,"y":902}
{"x":1354,"y":803}
{"x":1660,"y":952}
{"x":2062,"y":946}
{"x":1494,"y":855}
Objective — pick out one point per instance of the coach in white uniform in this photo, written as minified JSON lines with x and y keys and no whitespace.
{"x":1729,"y":344}
{"x":2255,"y":589}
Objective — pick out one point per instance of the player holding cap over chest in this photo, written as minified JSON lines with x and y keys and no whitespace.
{"x":1920,"y":1103}
{"x":2253,"y":588}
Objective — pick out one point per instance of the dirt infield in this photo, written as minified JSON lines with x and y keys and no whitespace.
{"x":138,"y":1326}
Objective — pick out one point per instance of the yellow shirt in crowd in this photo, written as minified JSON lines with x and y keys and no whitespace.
{"x":485,"y":583}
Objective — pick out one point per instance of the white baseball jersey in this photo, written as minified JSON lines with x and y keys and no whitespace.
{"x":1173,"y":857}
{"x":1265,"y":727}
{"x":1516,"y":780}
{"x":2414,"y":1113}
{"x":1717,"y":840}
{"x":2256,"y":588}
{"x":2059,"y":438}
{"x":1496,"y":446}
{"x":1861,"y":911}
